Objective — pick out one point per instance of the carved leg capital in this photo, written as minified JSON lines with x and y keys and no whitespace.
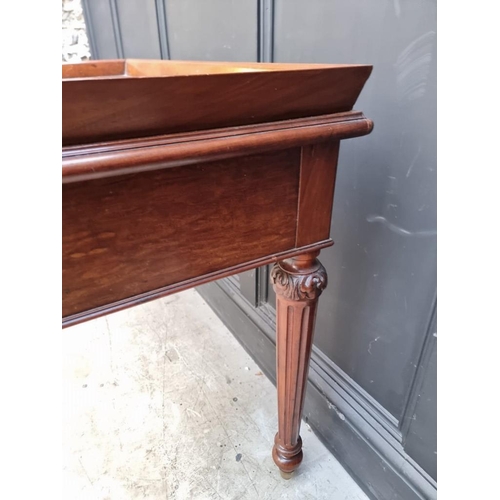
{"x":300,"y":278}
{"x":298,"y":283}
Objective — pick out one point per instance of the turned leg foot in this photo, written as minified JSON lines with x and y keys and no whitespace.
{"x":298,"y":283}
{"x":286,"y":475}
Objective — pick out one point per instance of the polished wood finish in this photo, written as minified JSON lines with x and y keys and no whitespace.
{"x":126,"y":235}
{"x":142,"y":173}
{"x":298,"y":283}
{"x":318,"y":169}
{"x":135,"y":300}
{"x":157,"y":100}
{"x":178,"y":173}
{"x":132,"y":156}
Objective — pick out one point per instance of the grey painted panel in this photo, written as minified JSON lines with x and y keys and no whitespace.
{"x":266,"y":30}
{"x":271,"y":295}
{"x":373,"y":316}
{"x":375,"y":459}
{"x":421,"y":439}
{"x":219,"y":30}
{"x":99,"y":17}
{"x":248,"y":286}
{"x":328,"y":30}
{"x":162,"y":29}
{"x":139,"y":29}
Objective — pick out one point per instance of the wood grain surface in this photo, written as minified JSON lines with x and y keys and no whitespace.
{"x":131,"y":106}
{"x":175,"y":174}
{"x":137,"y":155}
{"x":126,"y":235}
{"x":298,"y":283}
{"x":318,"y":170}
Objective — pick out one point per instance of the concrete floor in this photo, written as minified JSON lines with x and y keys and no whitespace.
{"x":161,"y":402}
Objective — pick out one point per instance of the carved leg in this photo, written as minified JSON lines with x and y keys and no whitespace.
{"x":298,"y":283}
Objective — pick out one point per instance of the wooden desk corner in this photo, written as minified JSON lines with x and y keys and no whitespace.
{"x":179,"y":173}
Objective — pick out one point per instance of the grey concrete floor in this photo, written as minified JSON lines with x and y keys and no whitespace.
{"x":161,"y":402}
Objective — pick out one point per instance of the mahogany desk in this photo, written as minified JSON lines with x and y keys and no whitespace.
{"x":179,"y":173}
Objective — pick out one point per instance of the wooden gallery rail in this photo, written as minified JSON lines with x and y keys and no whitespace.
{"x":179,"y":173}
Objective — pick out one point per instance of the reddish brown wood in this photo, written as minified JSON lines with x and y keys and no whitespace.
{"x":156,"y":68}
{"x":109,"y":308}
{"x":155,"y":99}
{"x":220,"y":133}
{"x":132,"y":156}
{"x":178,"y":173}
{"x":318,"y":169}
{"x":124,"y":236}
{"x":298,"y":282}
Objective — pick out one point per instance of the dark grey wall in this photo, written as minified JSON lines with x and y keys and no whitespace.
{"x":372,"y":391}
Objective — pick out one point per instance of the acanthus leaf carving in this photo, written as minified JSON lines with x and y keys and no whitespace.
{"x":299,"y":286}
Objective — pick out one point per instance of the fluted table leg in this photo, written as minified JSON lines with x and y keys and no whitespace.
{"x":298,"y":283}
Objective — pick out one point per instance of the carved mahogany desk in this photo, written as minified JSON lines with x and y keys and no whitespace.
{"x":179,"y":173}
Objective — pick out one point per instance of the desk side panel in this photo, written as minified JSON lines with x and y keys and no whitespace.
{"x":127,"y":235}
{"x":318,"y":171}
